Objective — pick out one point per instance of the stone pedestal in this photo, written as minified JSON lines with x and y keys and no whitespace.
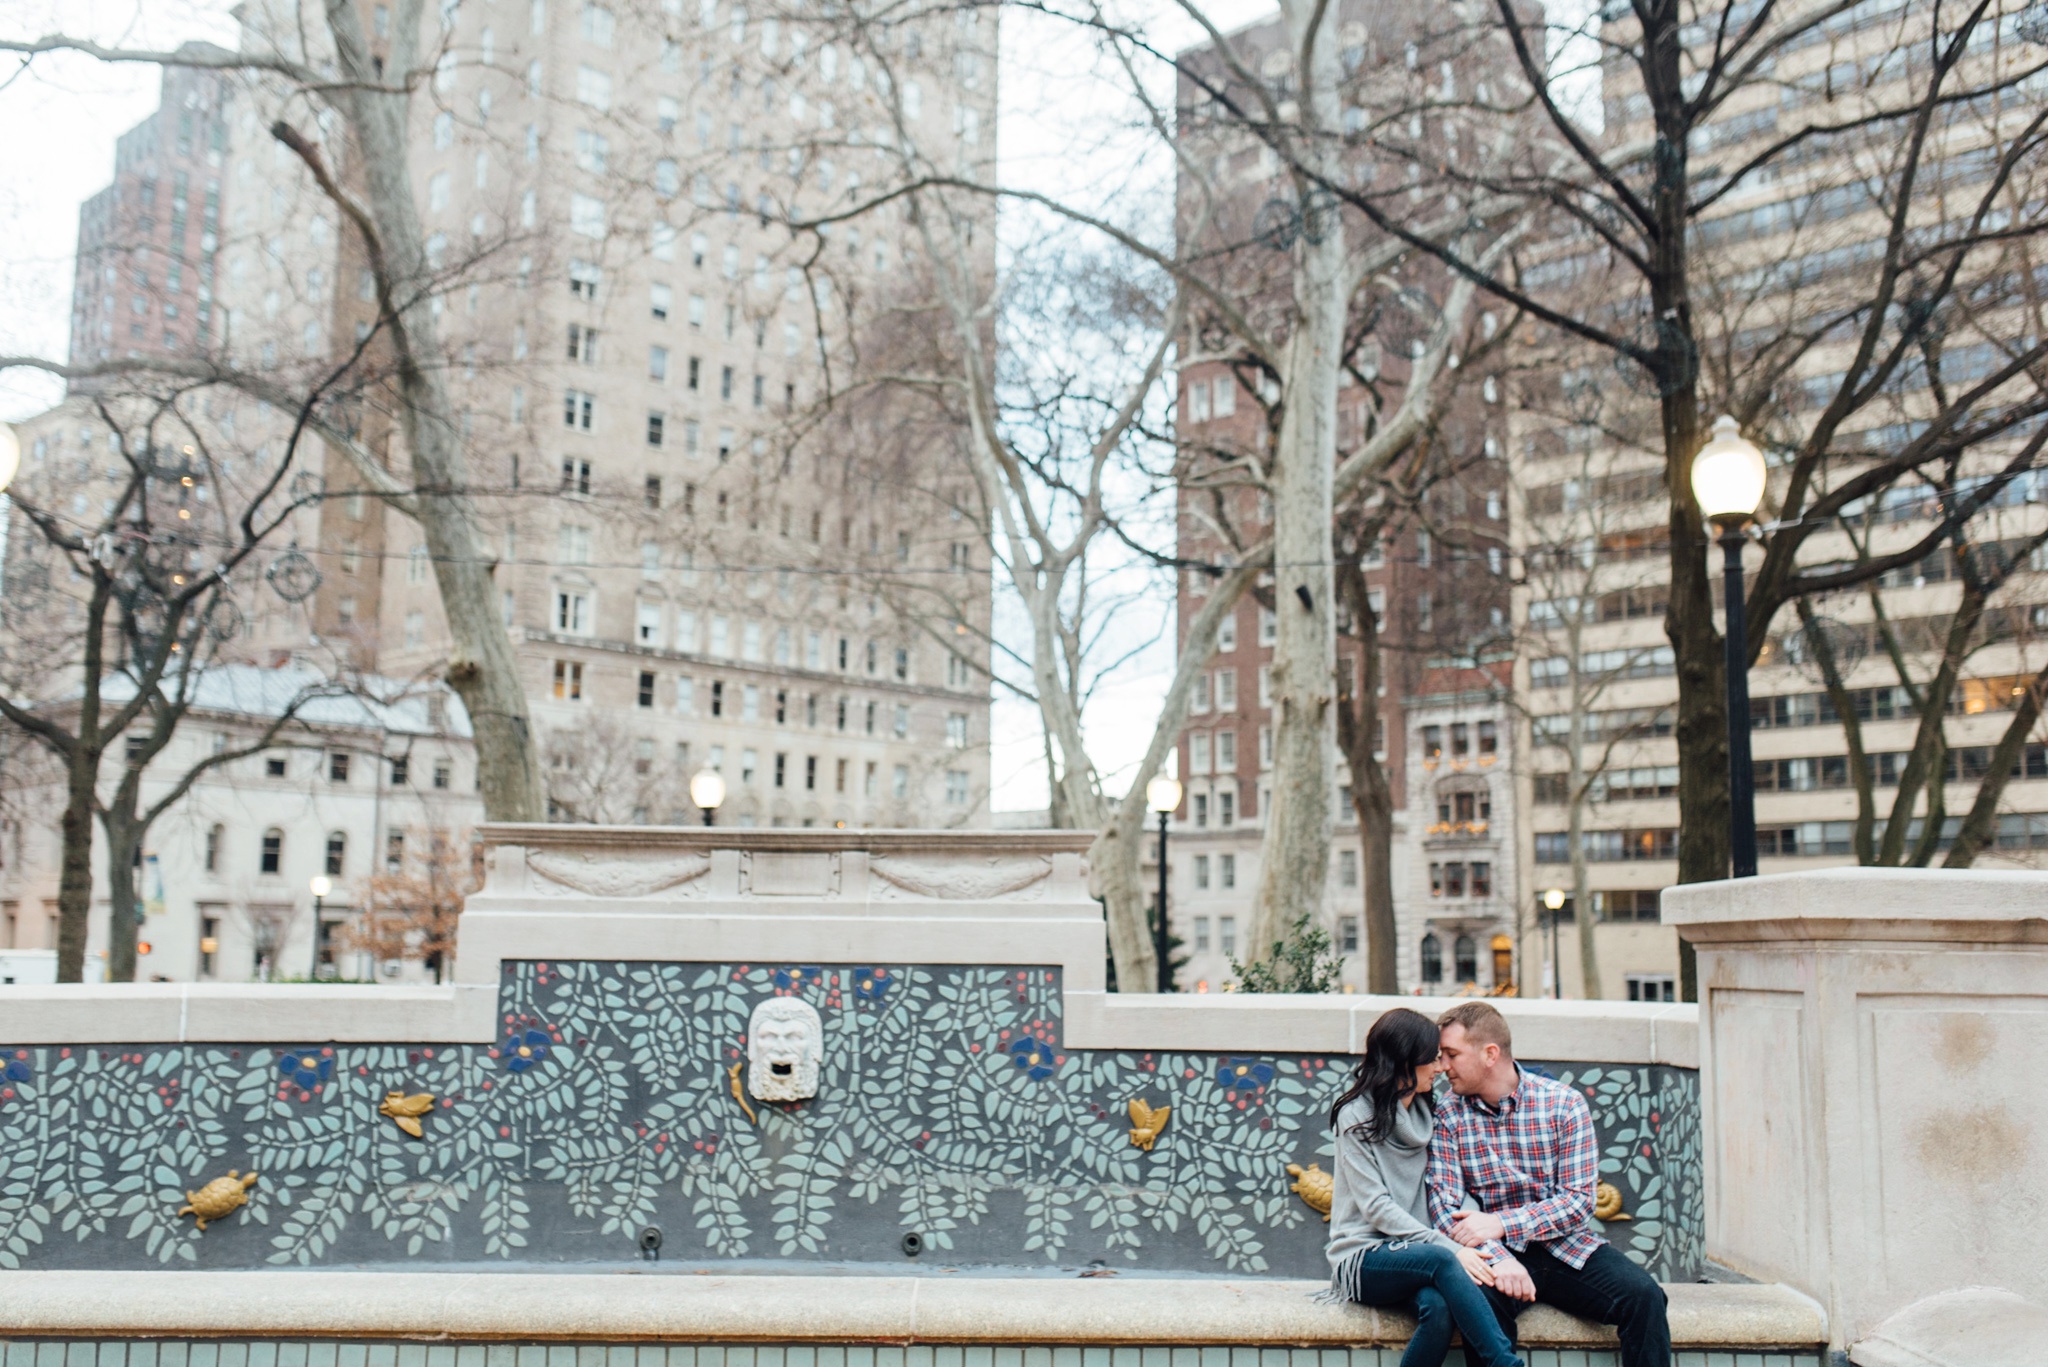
{"x":1873,"y":1044}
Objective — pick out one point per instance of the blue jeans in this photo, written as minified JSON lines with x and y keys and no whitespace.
{"x":1429,"y":1279}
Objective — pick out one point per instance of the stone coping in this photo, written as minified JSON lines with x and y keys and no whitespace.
{"x":566,"y":836}
{"x":1980,"y":906}
{"x":339,"y":1013}
{"x":548,"y":1304}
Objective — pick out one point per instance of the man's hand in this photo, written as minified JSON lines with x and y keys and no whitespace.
{"x":1511,"y":1279}
{"x":1476,"y":1227}
{"x":1475,"y":1266}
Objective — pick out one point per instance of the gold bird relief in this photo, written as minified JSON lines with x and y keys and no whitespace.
{"x":405,"y":1111}
{"x":1315,"y":1187}
{"x":739,"y":1090}
{"x":1607,"y":1204}
{"x":1146,"y":1123}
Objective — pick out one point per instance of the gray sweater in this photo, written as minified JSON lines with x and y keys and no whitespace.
{"x":1380,"y":1196}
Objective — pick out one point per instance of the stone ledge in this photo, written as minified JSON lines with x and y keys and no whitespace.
{"x":626,"y":1305}
{"x":1974,"y":906}
{"x":639,"y":839}
{"x":247,"y":1013}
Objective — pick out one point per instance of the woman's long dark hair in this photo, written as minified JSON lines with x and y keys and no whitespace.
{"x":1398,"y":1043}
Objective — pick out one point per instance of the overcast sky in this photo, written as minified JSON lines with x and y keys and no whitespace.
{"x":59,"y":119}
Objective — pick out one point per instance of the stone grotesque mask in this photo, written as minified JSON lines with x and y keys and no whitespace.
{"x":785,"y":1045}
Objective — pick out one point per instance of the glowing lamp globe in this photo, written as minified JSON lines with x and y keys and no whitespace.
{"x":1162,"y":794}
{"x":322,"y":886}
{"x":707,"y":789}
{"x":1554,"y":899}
{"x":1728,"y":474}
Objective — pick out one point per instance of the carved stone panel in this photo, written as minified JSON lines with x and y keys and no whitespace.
{"x":960,"y":878}
{"x":616,"y":875}
{"x":770,"y":873}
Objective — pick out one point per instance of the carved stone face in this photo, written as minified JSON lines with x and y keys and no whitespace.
{"x":785,"y":1045}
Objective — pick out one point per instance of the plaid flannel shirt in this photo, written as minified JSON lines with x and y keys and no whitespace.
{"x":1532,"y":1160}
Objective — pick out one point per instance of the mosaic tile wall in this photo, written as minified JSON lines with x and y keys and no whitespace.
{"x":948,"y":1108}
{"x":329,"y":1353}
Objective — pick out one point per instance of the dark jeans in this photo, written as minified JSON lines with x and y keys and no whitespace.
{"x":1609,"y":1289}
{"x":1428,"y":1279}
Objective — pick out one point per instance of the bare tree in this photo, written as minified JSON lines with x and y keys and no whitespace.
{"x":1923,"y":144}
{"x":320,"y":62}
{"x":112,"y":622}
{"x":410,"y":913}
{"x":597,"y":772}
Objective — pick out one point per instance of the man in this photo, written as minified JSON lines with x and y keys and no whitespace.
{"x":1522,"y":1148}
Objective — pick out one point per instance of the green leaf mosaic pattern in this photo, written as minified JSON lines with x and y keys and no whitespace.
{"x":947,"y":1106}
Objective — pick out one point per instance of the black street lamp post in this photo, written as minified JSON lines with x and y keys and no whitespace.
{"x":1728,"y":478}
{"x":1162,"y":794}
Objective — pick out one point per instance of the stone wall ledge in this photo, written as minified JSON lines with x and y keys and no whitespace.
{"x":1972,"y":907}
{"x":676,"y":1305}
{"x":342,"y":1013}
{"x":246,"y":1013}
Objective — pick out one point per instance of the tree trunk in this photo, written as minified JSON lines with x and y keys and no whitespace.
{"x":1294,"y":859}
{"x":1374,"y":801}
{"x":1977,"y":831}
{"x":122,"y":905}
{"x":482,"y":668}
{"x":74,"y":879}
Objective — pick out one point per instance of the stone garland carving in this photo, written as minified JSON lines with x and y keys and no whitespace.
{"x":617,"y":876}
{"x":947,"y":1105}
{"x":962,"y":880}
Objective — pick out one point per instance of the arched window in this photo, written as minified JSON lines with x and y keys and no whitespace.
{"x":215,"y":834}
{"x":1503,"y":960}
{"x":1432,"y":959}
{"x":1466,"y":955}
{"x":337,"y":851}
{"x":272,"y":859}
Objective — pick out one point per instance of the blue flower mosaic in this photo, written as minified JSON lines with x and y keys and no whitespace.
{"x":525,"y":1049}
{"x":943,"y":1108}
{"x":306,"y":1069}
{"x":1243,"y":1074}
{"x":18,"y":1069}
{"x":1034,"y":1057}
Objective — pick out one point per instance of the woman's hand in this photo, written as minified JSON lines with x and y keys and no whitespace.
{"x":1475,"y":1266}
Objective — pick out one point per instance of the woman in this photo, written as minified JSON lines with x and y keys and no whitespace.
{"x":1383,"y":1249}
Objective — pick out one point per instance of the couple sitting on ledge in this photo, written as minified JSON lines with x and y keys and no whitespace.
{"x":1468,"y":1210}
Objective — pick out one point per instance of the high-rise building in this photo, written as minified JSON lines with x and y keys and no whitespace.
{"x":146,"y":243}
{"x":696,"y":556}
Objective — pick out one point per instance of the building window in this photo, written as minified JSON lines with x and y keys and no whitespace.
{"x":443,"y":771}
{"x":1226,"y":690}
{"x":1651,"y":987}
{"x":272,"y":858}
{"x":956,"y":730}
{"x":568,"y":680}
{"x":899,"y":784}
{"x":1347,"y":934}
{"x":337,"y":851}
{"x":1226,"y":810}
{"x":956,"y":787}
{"x":394,"y":851}
{"x":1466,"y":950}
{"x":1226,"y":870}
{"x":215,"y":834}
{"x":1482,"y":880}
{"x":1201,"y":810}
{"x":572,"y":612}
{"x":1432,"y":959}
{"x":1226,"y":934}
{"x":274,"y":766}
{"x":1201,"y":935}
{"x":401,"y":769}
{"x":646,"y":691}
{"x":1201,"y":870}
{"x":1347,"y":868}
{"x":1489,"y":739}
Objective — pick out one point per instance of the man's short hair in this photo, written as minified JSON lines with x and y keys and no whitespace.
{"x":1482,"y":1022}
